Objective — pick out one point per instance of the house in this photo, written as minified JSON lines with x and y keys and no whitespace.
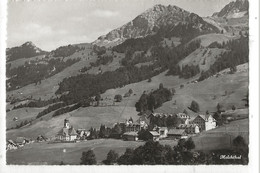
{"x":83,"y":134}
{"x":143,"y":121}
{"x":15,"y":119}
{"x":67,"y":133}
{"x":133,"y":127}
{"x":20,"y":141}
{"x":163,"y":131}
{"x":41,"y":138}
{"x":177,"y":134}
{"x":183,"y":115}
{"x":153,"y":135}
{"x":189,"y":128}
{"x":130,"y":136}
{"x":205,"y":122}
{"x":10,"y":145}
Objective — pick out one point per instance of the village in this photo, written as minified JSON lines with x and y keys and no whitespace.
{"x":144,"y":128}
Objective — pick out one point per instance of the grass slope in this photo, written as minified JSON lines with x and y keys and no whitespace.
{"x":204,"y":57}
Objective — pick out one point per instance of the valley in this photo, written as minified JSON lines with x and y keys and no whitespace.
{"x":164,"y":69}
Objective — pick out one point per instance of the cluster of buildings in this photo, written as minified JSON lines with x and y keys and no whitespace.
{"x":193,"y":125}
{"x":131,"y":128}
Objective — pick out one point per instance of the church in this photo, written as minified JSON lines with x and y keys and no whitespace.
{"x":67,"y":133}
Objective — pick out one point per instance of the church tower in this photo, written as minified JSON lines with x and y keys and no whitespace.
{"x":66,"y":124}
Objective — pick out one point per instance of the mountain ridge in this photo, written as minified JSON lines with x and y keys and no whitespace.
{"x":26,"y":50}
{"x":149,"y":22}
{"x":233,"y":9}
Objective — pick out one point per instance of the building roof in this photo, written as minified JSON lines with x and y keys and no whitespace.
{"x":131,"y":133}
{"x":143,"y":118}
{"x":154,"y":133}
{"x":176,"y":132}
{"x":19,"y":140}
{"x":182,"y":115}
{"x":67,"y":132}
{"x":205,"y":117}
{"x":11,"y":142}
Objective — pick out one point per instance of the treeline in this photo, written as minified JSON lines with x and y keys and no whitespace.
{"x":138,"y":44}
{"x":153,"y":153}
{"x":35,"y":103}
{"x":99,"y":50}
{"x":65,"y":51}
{"x":102,"y":60}
{"x":35,"y":71}
{"x":83,"y":86}
{"x":169,"y":121}
{"x":154,"y":99}
{"x":50,"y":109}
{"x":66,"y":109}
{"x":189,"y":71}
{"x":237,"y":53}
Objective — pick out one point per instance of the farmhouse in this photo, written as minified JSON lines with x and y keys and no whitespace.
{"x":130,"y":136}
{"x":163,"y":131}
{"x":10,"y":145}
{"x":67,"y":133}
{"x":205,"y":122}
{"x":153,"y":135}
{"x":183,"y":116}
{"x":190,"y":128}
{"x":20,"y":141}
{"x":177,"y":133}
{"x":143,"y":121}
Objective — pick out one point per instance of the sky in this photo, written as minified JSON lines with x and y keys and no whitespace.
{"x":50,"y":24}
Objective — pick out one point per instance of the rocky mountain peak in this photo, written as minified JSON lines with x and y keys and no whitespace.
{"x":234,"y":9}
{"x":144,"y":24}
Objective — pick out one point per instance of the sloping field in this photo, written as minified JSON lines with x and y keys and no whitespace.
{"x":222,"y":136}
{"x":81,"y":118}
{"x":207,"y":39}
{"x":235,"y":85}
{"x":204,"y":57}
{"x":22,"y":114}
{"x":227,"y":89}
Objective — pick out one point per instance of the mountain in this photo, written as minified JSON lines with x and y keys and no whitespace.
{"x":236,"y":9}
{"x":151,"y":21}
{"x":26,"y":50}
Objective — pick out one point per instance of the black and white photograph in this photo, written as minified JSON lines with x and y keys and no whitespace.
{"x":127,"y":82}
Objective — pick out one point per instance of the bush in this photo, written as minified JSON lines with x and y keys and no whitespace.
{"x":88,"y":158}
{"x":194,"y":106}
{"x":111,"y":159}
{"x":118,"y":98}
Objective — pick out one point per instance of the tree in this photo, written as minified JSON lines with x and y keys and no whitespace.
{"x":112,"y":157}
{"x":161,"y":86}
{"x":149,"y":80}
{"x":239,"y":142}
{"x":117,"y":131}
{"x":102,"y":131}
{"x":126,"y":158}
{"x":130,"y":91}
{"x":118,"y":98}
{"x":233,"y":107}
{"x":97,"y":98}
{"x":88,"y":158}
{"x":185,"y":111}
{"x":189,"y":144}
{"x":194,"y":106}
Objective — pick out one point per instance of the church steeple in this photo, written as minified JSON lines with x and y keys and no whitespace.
{"x":66,"y":124}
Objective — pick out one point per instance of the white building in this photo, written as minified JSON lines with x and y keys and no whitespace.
{"x":67,"y":133}
{"x":210,"y":123}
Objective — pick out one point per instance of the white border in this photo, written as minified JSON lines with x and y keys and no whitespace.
{"x":253,"y":113}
